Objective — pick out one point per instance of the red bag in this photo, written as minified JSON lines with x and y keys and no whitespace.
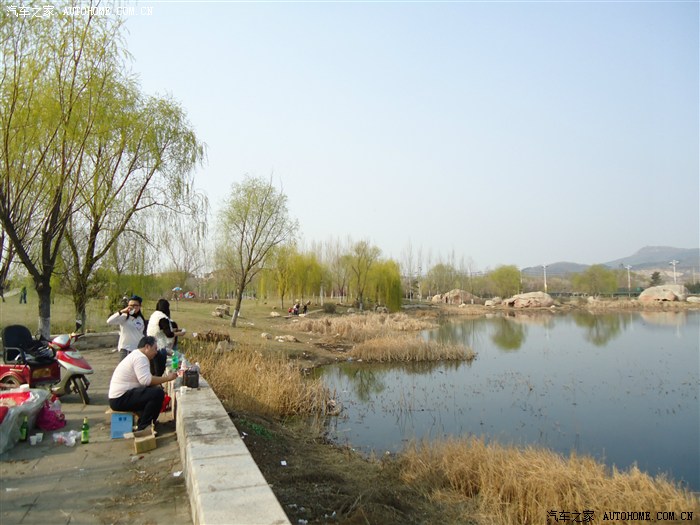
{"x":166,"y":404}
{"x":50,"y":418}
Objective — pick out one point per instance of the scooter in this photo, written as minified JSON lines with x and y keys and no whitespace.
{"x":74,"y":366}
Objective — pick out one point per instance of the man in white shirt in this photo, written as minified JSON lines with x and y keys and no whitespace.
{"x":133,"y":388}
{"x":132,"y":326}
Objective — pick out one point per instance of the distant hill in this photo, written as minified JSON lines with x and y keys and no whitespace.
{"x":660,"y":257}
{"x":558,"y":268}
{"x":649,"y":257}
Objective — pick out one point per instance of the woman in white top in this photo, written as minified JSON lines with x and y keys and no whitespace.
{"x":132,"y":326}
{"x":165,"y":331}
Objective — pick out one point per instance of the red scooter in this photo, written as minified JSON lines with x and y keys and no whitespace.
{"x":74,"y":365}
{"x":39,"y":363}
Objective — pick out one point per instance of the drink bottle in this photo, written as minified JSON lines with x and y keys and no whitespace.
{"x":85,"y":433}
{"x":24,"y":430}
{"x":176,"y":361}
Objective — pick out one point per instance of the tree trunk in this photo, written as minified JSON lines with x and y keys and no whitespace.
{"x":237,"y":309}
{"x":80,"y":302}
{"x":43,"y":291}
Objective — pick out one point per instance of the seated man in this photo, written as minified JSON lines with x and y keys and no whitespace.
{"x":133,"y":388}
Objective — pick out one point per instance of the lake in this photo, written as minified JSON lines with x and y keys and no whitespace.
{"x":622,"y":388}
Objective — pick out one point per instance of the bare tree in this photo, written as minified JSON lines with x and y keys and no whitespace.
{"x":337,"y":261}
{"x":181,"y":234}
{"x":253,"y":221}
{"x":408,"y":269}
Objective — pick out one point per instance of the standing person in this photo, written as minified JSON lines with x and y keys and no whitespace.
{"x":132,"y":326}
{"x":134,"y":389}
{"x":165,"y":331}
{"x":23,"y":295}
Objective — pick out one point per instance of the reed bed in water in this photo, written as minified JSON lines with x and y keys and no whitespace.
{"x":246,"y":380}
{"x":361,"y":327}
{"x":409,"y":348}
{"x":515,"y":486}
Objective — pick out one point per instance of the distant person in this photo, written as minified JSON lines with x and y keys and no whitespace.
{"x":23,"y":295}
{"x":165,"y":331}
{"x":132,"y":326}
{"x":134,"y":389}
{"x":306,"y":307}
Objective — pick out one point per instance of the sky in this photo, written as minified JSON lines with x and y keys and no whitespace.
{"x":482,"y":133}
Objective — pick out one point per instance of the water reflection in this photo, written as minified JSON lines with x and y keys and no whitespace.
{"x":622,"y":388}
{"x":673,"y":319}
{"x":508,"y":335}
{"x":600,"y":329}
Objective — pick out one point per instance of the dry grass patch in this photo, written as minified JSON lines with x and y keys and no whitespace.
{"x":519,"y":486}
{"x":409,"y":348}
{"x":246,"y":380}
{"x":361,"y":327}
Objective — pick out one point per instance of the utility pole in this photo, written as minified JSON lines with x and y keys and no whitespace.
{"x":674,"y":263}
{"x":629,"y":285}
{"x":544,"y":267}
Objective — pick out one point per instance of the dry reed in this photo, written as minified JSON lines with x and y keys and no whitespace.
{"x":246,"y":380}
{"x":409,"y":348}
{"x":520,"y":486}
{"x":361,"y":327}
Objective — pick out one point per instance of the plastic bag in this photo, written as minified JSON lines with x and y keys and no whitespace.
{"x":66,"y":438}
{"x":166,"y":404}
{"x":50,"y":417}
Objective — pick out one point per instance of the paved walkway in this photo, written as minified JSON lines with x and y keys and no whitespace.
{"x":102,"y":482}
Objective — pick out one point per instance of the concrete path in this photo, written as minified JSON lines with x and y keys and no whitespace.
{"x":102,"y":482}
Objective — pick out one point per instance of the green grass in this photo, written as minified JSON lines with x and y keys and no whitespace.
{"x":191,"y":315}
{"x":62,"y":314}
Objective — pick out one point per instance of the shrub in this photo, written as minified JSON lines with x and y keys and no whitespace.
{"x":329,"y":308}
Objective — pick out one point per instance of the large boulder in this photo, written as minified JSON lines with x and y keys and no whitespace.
{"x":530,"y":300}
{"x":665,"y":292}
{"x":455,"y":296}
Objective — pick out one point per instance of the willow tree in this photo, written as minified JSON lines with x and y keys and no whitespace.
{"x":361,"y":259}
{"x":596,"y":280}
{"x":385,"y":279}
{"x":251,"y":223}
{"x":83,"y":151}
{"x":7,"y":254}
{"x":505,"y":280}
{"x":139,"y":164}
{"x":306,"y":275}
{"x":51,"y":82}
{"x":281,"y":266}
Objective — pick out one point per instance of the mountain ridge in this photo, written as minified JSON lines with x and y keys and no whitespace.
{"x":646,"y":258}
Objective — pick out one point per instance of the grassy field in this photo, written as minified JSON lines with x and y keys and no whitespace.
{"x":193,"y":315}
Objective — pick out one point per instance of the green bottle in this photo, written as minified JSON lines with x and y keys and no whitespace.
{"x":24,"y":430}
{"x":176,"y":361}
{"x":85,"y":433}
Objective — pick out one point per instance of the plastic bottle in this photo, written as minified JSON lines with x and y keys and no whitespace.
{"x":85,"y":433}
{"x":176,"y":361}
{"x":24,"y":429}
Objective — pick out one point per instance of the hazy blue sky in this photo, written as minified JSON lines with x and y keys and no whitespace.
{"x":508,"y":132}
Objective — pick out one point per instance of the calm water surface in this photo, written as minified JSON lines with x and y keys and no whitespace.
{"x":621,"y":387}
